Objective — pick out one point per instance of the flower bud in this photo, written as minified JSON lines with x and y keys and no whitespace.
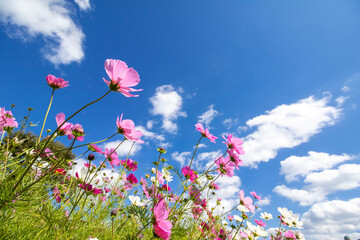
{"x":91,"y":157}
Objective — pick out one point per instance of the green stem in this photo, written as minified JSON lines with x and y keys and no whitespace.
{"x":6,"y":155}
{"x":47,"y":112}
{"x":47,"y":142}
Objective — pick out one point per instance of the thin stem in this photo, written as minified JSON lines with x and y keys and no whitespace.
{"x":47,"y":112}
{"x":197,"y":145}
{"x":56,"y":130}
{"x":6,"y":155}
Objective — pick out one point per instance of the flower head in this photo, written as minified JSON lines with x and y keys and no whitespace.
{"x":226,"y":166}
{"x":56,"y":83}
{"x":234,"y":144}
{"x":127,"y":128}
{"x":189,"y":173}
{"x":7,"y":121}
{"x":246,"y":201}
{"x":205,"y":132}
{"x":162,"y":226}
{"x":121,"y":77}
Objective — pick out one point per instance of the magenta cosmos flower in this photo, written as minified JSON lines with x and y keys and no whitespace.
{"x":162,"y":226}
{"x":112,"y":157}
{"x":127,"y":128}
{"x":226,"y":166}
{"x":56,"y":83}
{"x":189,"y":173}
{"x":121,"y":77}
{"x":205,"y":132}
{"x":234,"y":144}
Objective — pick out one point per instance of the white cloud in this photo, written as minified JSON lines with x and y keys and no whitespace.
{"x":229,"y":122}
{"x":332,"y":220}
{"x":124,"y":148}
{"x":321,"y":184}
{"x":265,"y":201}
{"x":167,"y":103}
{"x":346,"y":177}
{"x":345,"y":89}
{"x":201,"y":145}
{"x":83,"y":4}
{"x":304,"y":197}
{"x":340,"y":100}
{"x":182,"y":158}
{"x":287,"y":126}
{"x":294,"y":167}
{"x":150,"y":124}
{"x":50,"y":19}
{"x":207,"y":117}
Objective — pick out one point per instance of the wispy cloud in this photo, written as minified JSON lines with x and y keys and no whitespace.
{"x":84,"y":5}
{"x":167,"y":103}
{"x":207,"y":117}
{"x":287,"y":126}
{"x":50,"y":19}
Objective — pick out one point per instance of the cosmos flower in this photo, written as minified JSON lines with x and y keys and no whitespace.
{"x":56,"y":83}
{"x":122,"y":78}
{"x":205,"y":132}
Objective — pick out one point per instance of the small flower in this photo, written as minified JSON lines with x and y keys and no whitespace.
{"x":226,"y":166}
{"x":266,"y":216}
{"x":56,"y":83}
{"x":260,"y":223}
{"x":129,"y":164}
{"x":127,"y":128}
{"x":246,"y":201}
{"x":121,"y":77}
{"x":189,"y":173}
{"x":135,"y":200}
{"x":132,"y":179}
{"x":205,"y":132}
{"x":253,"y":193}
{"x":234,"y":144}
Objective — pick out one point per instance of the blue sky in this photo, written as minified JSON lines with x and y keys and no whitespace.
{"x":282,"y":75}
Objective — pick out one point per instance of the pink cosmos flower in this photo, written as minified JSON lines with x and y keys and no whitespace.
{"x":230,"y":217}
{"x":260,"y":223}
{"x":95,"y":148}
{"x":77,"y":132}
{"x":90,"y":189}
{"x":234,"y":157}
{"x":65,"y":129}
{"x":166,"y":187}
{"x":255,"y":195}
{"x":121,"y":77}
{"x":226,"y":166}
{"x":129,"y":164}
{"x":214,"y":186}
{"x":57,"y":195}
{"x":290,"y":234}
{"x":246,"y":201}
{"x":205,"y":132}
{"x":112,"y":157}
{"x":56,"y":83}
{"x":189,"y":173}
{"x":234,"y":144}
{"x":160,"y":177}
{"x":132,"y":179}
{"x":162,"y":226}
{"x":7,"y":121}
{"x":127,"y":128}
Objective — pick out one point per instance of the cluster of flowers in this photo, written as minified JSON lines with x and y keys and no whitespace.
{"x":167,"y":208}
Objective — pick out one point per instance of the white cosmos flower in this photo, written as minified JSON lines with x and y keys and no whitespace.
{"x":237,"y":218}
{"x":266,"y":216}
{"x":166,"y":175}
{"x":242,"y":208}
{"x":257,"y":230}
{"x":135,"y":200}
